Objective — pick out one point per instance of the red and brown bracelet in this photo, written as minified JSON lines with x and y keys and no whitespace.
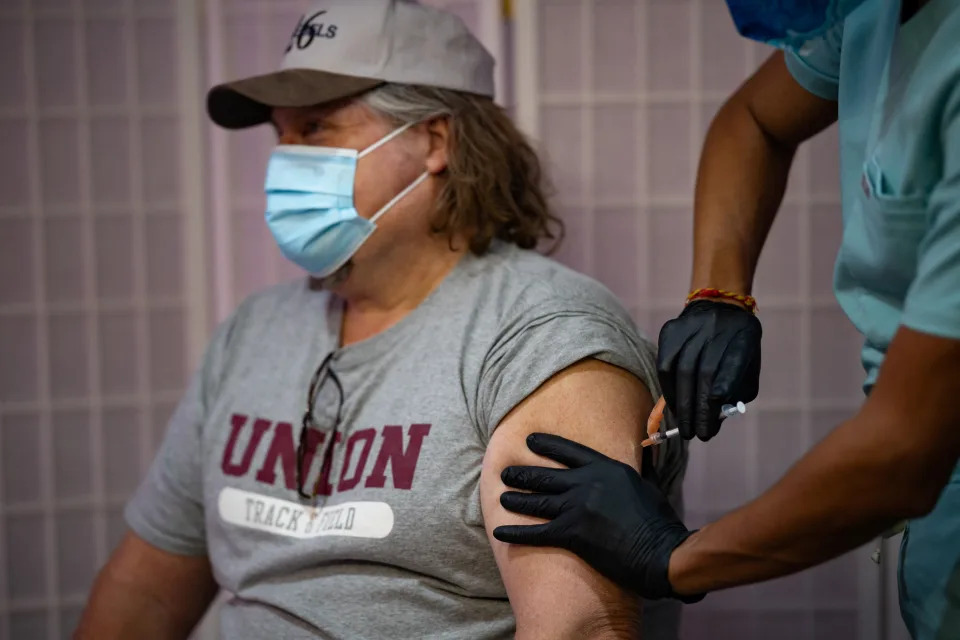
{"x":708,"y":293}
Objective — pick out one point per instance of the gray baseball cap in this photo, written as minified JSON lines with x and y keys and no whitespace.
{"x":341,"y":48}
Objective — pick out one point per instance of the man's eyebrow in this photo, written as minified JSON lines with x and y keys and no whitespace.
{"x":319,"y":114}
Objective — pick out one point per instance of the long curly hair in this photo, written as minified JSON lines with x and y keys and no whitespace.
{"x":495,"y":186}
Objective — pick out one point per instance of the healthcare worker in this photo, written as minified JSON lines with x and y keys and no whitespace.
{"x":890,"y":73}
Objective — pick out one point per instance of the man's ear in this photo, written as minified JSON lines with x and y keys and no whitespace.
{"x":438,"y":130}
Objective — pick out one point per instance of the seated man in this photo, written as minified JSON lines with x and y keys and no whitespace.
{"x":334,"y":465}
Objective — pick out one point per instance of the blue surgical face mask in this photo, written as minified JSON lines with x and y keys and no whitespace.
{"x":310,"y":208}
{"x":788,"y":24}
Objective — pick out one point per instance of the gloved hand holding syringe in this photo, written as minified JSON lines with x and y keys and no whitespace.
{"x":655,"y":436}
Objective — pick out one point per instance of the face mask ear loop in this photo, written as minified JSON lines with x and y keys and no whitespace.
{"x":385,"y":139}
{"x":396,"y":198}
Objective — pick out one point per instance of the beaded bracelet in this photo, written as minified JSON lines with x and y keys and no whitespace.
{"x":707,"y":293}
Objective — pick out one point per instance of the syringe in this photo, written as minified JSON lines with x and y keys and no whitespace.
{"x":726,"y":411}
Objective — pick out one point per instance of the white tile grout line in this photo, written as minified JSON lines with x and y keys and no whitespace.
{"x":88,"y":248}
{"x":526,"y":34}
{"x":491,"y":32}
{"x":643,"y":261}
{"x":587,"y":160}
{"x":220,"y":201}
{"x":4,"y":577}
{"x":4,"y":588}
{"x":600,"y":202}
{"x":112,"y":500}
{"x":102,"y":210}
{"x":802,"y":162}
{"x":33,"y":605}
{"x":197,"y":19}
{"x":43,"y":347}
{"x":195,"y":276}
{"x":98,"y":111}
{"x":168,"y":209}
{"x":665,"y":97}
{"x":136,"y":125}
{"x":56,"y":13}
{"x":547,"y":98}
{"x":165,"y":303}
{"x":695,"y":145}
{"x":111,"y":401}
{"x":266,"y":61}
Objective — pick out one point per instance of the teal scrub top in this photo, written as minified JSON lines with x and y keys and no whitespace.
{"x":898,"y":93}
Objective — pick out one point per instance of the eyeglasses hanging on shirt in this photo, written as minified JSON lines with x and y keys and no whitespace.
{"x":320,"y":377}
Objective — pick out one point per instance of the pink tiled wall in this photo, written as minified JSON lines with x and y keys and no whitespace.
{"x":92,"y":307}
{"x":92,"y":301}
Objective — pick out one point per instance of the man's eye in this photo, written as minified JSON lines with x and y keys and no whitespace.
{"x":311,"y":128}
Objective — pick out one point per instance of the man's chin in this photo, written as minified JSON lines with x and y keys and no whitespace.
{"x":334,"y":280}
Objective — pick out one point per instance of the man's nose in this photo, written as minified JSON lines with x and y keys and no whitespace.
{"x":291,"y":137}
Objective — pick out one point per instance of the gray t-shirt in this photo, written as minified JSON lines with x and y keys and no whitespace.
{"x":394,"y":547}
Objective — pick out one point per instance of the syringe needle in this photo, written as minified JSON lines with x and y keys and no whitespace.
{"x":726,"y":411}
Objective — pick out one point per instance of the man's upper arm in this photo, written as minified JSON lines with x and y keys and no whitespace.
{"x":146,"y":590}
{"x":554,"y":594}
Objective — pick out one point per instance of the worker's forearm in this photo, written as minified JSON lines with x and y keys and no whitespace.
{"x":119,"y":610}
{"x":740,"y":183}
{"x":847,"y":490}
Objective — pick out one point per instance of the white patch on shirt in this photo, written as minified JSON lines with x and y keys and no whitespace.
{"x":292,"y":519}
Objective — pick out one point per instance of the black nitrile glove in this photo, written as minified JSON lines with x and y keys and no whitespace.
{"x":708,"y":356}
{"x":600,"y":509}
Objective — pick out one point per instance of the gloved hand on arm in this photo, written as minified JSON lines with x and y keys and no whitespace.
{"x":599,"y":508}
{"x":707,"y":357}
